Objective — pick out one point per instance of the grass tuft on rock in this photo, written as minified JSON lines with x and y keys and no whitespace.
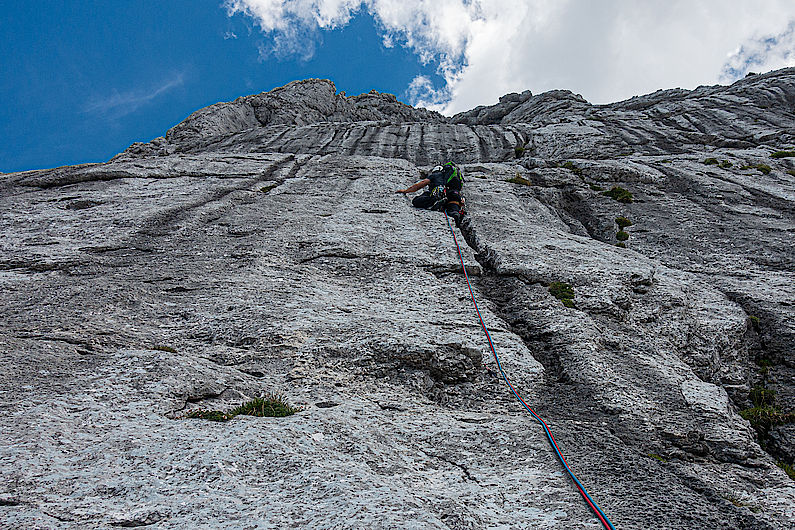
{"x":657,"y":457}
{"x":574,"y":169}
{"x":617,"y":193}
{"x":788,"y":469}
{"x":710,"y":162}
{"x":763,"y":168}
{"x":210,"y":415}
{"x":167,"y":349}
{"x":622,"y":236}
{"x":568,"y":302}
{"x":518,"y":151}
{"x":563,"y":292}
{"x":764,"y":417}
{"x":764,"y":366}
{"x":783,"y":154}
{"x":621,"y":244}
{"x":269,"y":187}
{"x":762,"y":396}
{"x":623,"y":222}
{"x":765,"y":413}
{"x":271,"y":406}
{"x":725,"y":164}
{"x":519,"y":179}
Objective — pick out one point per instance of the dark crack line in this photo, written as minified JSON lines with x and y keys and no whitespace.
{"x":63,"y":519}
{"x":464,"y":469}
{"x":340,"y":255}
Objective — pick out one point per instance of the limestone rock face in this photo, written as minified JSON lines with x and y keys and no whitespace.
{"x":313,"y":101}
{"x":259,"y":247}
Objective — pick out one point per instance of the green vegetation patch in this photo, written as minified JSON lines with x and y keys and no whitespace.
{"x":764,"y":417}
{"x":563,"y":292}
{"x":519,"y":179}
{"x":787,"y":469}
{"x":269,"y":187}
{"x":211,"y":415}
{"x":619,"y":194}
{"x":574,"y":169}
{"x":765,"y":413}
{"x":762,"y":396}
{"x":710,"y":162}
{"x":791,"y":172}
{"x":623,"y":222}
{"x":622,"y":236}
{"x":725,"y":164}
{"x":518,"y":151}
{"x":657,"y":457}
{"x":783,"y":154}
{"x":763,"y":168}
{"x":168,"y":349}
{"x":595,"y":187}
{"x":621,"y":244}
{"x":764,"y":366}
{"x":271,"y":406}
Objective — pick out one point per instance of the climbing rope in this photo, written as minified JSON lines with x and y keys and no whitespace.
{"x":595,"y":507}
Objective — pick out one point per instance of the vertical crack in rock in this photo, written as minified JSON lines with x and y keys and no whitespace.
{"x":310,"y":290}
{"x":485,"y":255}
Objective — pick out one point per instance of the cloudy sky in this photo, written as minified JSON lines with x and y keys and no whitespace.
{"x":82,"y":80}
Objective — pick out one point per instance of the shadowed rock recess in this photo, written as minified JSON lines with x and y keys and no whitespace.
{"x":259,"y":248}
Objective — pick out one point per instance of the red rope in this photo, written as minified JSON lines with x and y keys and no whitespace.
{"x":594,"y":507}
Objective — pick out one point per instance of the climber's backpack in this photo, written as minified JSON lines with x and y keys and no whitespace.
{"x":446,"y":181}
{"x":454,"y":177}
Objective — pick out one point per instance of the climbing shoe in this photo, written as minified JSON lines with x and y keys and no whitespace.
{"x":456,"y":216}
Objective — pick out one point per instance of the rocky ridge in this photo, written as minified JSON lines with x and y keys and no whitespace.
{"x":257,"y":247}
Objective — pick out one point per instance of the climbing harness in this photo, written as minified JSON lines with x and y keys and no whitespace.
{"x":594,"y":507}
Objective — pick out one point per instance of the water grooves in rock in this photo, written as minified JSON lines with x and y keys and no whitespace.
{"x":161,"y":221}
{"x":330,"y":288}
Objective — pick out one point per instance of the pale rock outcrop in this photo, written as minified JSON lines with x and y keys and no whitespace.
{"x":258,"y":247}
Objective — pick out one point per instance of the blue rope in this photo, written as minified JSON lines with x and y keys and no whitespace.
{"x":594,"y":506}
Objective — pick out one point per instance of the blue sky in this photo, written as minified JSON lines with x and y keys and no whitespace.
{"x":85,"y":79}
{"x":82,"y":80}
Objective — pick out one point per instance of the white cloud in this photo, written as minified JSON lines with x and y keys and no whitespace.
{"x":762,"y":54}
{"x":422,"y":92}
{"x":120,"y":104}
{"x":606,"y":50}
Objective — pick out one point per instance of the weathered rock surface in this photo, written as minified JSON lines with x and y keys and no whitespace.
{"x":258,"y":248}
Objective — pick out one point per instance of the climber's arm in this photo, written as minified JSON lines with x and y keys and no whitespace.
{"x":414,"y":187}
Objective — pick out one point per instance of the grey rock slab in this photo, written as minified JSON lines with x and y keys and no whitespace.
{"x":258,"y":248}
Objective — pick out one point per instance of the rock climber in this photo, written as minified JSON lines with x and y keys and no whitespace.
{"x":444,"y":191}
